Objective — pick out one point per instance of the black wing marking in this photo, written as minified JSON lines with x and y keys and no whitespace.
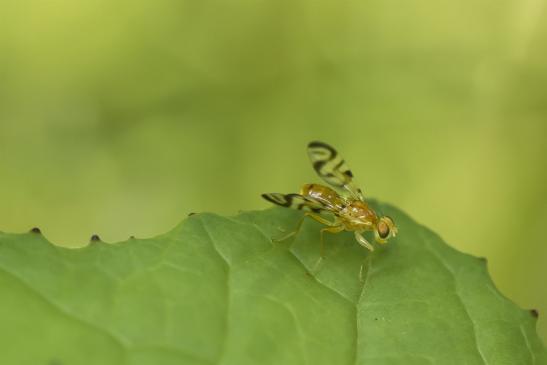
{"x":332,"y":168}
{"x":296,"y":201}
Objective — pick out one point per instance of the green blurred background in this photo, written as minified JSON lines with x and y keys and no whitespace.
{"x":120,"y":117}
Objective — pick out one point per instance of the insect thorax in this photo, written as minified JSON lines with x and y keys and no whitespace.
{"x":361,"y":212}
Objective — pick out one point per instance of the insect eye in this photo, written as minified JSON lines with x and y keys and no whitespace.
{"x":383,"y":230}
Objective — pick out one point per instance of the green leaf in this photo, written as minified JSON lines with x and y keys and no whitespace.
{"x":216,"y":290}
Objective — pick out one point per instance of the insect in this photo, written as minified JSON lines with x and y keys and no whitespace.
{"x":350,"y":213}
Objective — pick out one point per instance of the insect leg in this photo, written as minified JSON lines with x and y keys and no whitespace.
{"x":332,"y":229}
{"x":366,"y":264}
{"x":314,"y":216}
{"x":362,"y":241}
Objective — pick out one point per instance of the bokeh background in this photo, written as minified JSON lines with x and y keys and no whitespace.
{"x":121,"y":117}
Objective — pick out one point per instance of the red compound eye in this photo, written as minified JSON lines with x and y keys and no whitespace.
{"x":383,"y":230}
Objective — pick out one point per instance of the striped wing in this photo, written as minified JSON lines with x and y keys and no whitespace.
{"x":332,"y":168}
{"x":296,"y":201}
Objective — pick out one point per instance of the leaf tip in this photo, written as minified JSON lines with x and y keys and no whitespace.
{"x":534,"y":313}
{"x":191,"y":214}
{"x":36,"y":230}
{"x":95,"y":238}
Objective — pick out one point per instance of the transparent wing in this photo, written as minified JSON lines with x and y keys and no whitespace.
{"x":296,"y":201}
{"x":332,"y":168}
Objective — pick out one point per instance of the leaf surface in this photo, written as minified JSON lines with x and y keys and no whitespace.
{"x":216,"y":290}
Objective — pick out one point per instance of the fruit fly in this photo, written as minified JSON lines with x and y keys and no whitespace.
{"x":350,"y":213}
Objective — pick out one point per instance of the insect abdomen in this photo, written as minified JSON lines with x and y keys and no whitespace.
{"x":323,"y":194}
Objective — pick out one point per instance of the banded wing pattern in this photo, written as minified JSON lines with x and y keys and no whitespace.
{"x":332,"y":168}
{"x":295,"y":201}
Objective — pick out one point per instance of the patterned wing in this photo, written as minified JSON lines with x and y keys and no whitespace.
{"x":296,"y":201}
{"x":332,"y":168}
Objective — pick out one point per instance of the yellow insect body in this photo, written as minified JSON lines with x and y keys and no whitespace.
{"x":350,"y":213}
